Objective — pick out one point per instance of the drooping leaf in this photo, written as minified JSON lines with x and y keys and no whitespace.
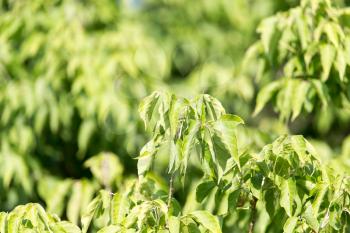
{"x":288,"y":194}
{"x":174,"y":224}
{"x":188,"y":142}
{"x":290,"y":225}
{"x":110,"y":229}
{"x":207,"y":220}
{"x":225,"y":130}
{"x":145,"y":160}
{"x":265,"y":94}
{"x":74,"y":203}
{"x":120,"y":207}
{"x":299,"y":97}
{"x":340,"y":64}
{"x":3,"y":217}
{"x":299,"y":145}
{"x":93,"y":209}
{"x":321,"y":91}
{"x":65,"y":227}
{"x":174,"y":159}
{"x":85,"y":133}
{"x":310,"y":218}
{"x":147,"y":106}
{"x":267,"y":30}
{"x":328,"y":53}
{"x":203,"y":189}
{"x":320,"y":190}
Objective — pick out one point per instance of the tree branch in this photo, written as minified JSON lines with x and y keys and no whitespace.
{"x":253,"y":214}
{"x":171,"y":189}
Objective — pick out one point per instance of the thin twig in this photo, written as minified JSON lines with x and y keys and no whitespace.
{"x":253,"y":214}
{"x":170,"y":194}
{"x":171,"y":189}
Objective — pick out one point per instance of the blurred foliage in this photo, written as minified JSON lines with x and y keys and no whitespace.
{"x":72,"y":75}
{"x":303,"y":63}
{"x":73,"y":72}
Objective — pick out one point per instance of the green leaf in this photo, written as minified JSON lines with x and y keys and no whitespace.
{"x":340,"y":64}
{"x":288,"y":194}
{"x":120,"y":207}
{"x":328,"y":53}
{"x":331,"y":33}
{"x":95,"y":206}
{"x":110,"y":229}
{"x":13,"y":220}
{"x":214,"y":107}
{"x":188,"y":142}
{"x":145,"y":159}
{"x":290,"y":225}
{"x":3,"y":217}
{"x":146,"y":107}
{"x":232,"y":200}
{"x":310,"y":217}
{"x":225,"y":131}
{"x":144,"y":163}
{"x":174,"y":224}
{"x":65,"y":227}
{"x":176,"y":113}
{"x":143,"y":213}
{"x":85,"y":133}
{"x":25,"y":217}
{"x":265,"y":94}
{"x":311,"y":51}
{"x":105,"y":167}
{"x":54,"y":198}
{"x":299,"y":146}
{"x":285,"y":98}
{"x":303,"y":30}
{"x":222,"y":201}
{"x":207,"y":220}
{"x":322,"y":91}
{"x":74,"y":204}
{"x":267,"y":29}
{"x":174,"y":157}
{"x":191,"y":228}
{"x":320,"y":190}
{"x":256,"y":181}
{"x":299,"y":97}
{"x":203,"y":190}
{"x":231,"y":121}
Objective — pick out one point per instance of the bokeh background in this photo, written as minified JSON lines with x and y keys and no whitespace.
{"x":73,"y":72}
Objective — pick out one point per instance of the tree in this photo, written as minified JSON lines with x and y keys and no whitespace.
{"x":202,"y":169}
{"x":286,"y":180}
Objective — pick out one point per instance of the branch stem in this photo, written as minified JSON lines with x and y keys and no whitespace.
{"x":171,"y":189}
{"x":253,"y":214}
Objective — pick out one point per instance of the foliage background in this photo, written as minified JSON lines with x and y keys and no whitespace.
{"x":72,"y":74}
